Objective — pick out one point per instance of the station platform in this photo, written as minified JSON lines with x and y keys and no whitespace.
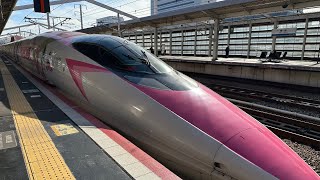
{"x":305,"y":73}
{"x":287,"y":64}
{"x":43,"y":135}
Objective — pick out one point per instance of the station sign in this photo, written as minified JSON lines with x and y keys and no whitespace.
{"x":284,"y":32}
{"x":42,"y":6}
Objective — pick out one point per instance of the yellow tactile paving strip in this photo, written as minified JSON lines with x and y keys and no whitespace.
{"x":42,"y":159}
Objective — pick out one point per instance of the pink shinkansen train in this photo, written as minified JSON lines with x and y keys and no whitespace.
{"x":185,"y":125}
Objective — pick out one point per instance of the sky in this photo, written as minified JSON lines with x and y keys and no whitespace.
{"x":139,"y":8}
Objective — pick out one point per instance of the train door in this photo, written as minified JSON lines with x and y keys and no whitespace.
{"x":40,"y":53}
{"x":36,"y":54}
{"x":49,"y":62}
{"x":33,"y":57}
{"x":16,"y":52}
{"x":42,"y":57}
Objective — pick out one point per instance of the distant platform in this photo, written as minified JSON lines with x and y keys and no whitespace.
{"x":286,"y":64}
{"x":43,"y":135}
{"x":304,"y":73}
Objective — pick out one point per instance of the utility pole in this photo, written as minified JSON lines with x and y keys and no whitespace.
{"x":81,"y":19}
{"x":54,"y":29}
{"x":119,"y":30}
{"x":318,"y":56}
{"x":48,"y":19}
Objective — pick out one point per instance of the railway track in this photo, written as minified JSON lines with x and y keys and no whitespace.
{"x":244,"y":93}
{"x":303,"y":129}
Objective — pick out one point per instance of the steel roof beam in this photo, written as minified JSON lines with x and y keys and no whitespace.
{"x":273,"y":9}
{"x":279,"y":19}
{"x":6,"y":14}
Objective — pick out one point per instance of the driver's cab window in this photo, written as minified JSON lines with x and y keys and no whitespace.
{"x":107,"y":59}
{"x":120,"y":57}
{"x":132,"y":61}
{"x":98,"y":54}
{"x":89,"y":50}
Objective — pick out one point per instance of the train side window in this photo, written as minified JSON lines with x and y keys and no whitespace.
{"x":102,"y":56}
{"x":81,"y":47}
{"x":92,"y":51}
{"x":89,"y":50}
{"x":107,"y":59}
{"x":98,"y":54}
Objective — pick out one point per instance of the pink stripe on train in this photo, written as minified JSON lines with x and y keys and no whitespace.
{"x":230,"y":125}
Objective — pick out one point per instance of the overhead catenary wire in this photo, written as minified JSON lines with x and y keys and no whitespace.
{"x":121,"y":5}
{"x":125,"y":4}
{"x":133,"y":12}
{"x":94,"y":8}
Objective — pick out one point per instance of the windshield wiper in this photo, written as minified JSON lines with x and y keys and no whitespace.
{"x":146,"y":60}
{"x":143,"y":60}
{"x":131,"y":58}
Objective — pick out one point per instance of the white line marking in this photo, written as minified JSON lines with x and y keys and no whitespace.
{"x":35,"y":96}
{"x":26,"y":91}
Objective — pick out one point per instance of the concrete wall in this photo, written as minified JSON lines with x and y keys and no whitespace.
{"x":303,"y":77}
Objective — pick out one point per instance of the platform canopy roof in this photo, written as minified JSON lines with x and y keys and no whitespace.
{"x":6,"y":10}
{"x":218,"y":10}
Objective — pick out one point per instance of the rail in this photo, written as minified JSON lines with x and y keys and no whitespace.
{"x":283,"y":124}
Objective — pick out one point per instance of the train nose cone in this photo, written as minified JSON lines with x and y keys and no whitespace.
{"x":267,"y":151}
{"x":238,"y":131}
